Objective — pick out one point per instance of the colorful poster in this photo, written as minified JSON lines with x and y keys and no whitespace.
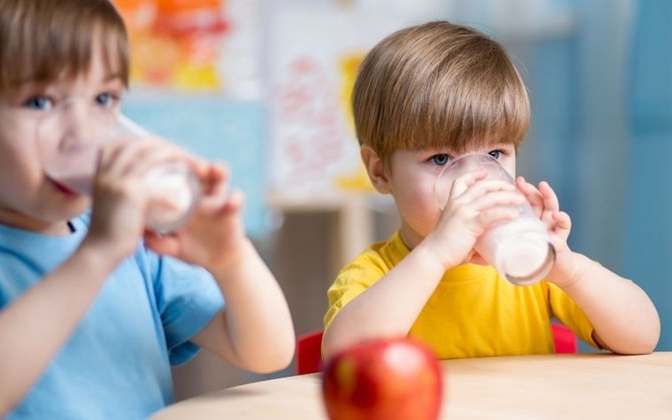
{"x":194,"y":45}
{"x":314,"y":54}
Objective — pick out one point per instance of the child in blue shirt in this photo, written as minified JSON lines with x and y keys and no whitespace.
{"x":93,"y":308}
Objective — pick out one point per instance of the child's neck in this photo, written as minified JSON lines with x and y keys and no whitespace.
{"x":17,"y":221}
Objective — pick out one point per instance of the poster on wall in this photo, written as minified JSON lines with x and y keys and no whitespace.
{"x":195,"y":46}
{"x":314,"y":53}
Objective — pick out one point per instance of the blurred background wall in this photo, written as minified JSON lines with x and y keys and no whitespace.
{"x":264,"y":85}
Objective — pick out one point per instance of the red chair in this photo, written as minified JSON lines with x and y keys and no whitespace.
{"x":564,"y":339}
{"x":309,"y":347}
{"x":309,"y":353}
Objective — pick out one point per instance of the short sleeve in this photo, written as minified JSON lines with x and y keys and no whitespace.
{"x":570,"y":314}
{"x":187,"y":299}
{"x":352,"y":280}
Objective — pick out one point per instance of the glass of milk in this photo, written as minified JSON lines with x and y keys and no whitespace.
{"x":519,"y":249}
{"x":69,"y":137}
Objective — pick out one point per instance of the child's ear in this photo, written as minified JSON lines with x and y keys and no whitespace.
{"x":375,"y":168}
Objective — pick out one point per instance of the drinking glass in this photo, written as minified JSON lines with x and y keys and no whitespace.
{"x":519,"y":249}
{"x":70,"y":136}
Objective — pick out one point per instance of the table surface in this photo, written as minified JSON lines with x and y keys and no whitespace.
{"x":518,"y":387}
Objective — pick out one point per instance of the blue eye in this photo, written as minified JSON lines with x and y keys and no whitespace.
{"x":107,"y":100}
{"x":495,"y":154}
{"x":440,"y":160}
{"x":39,"y":103}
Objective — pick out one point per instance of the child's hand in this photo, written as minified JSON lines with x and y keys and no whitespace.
{"x":545,"y":204}
{"x":119,"y":193}
{"x":214,"y":236}
{"x":474,"y":204}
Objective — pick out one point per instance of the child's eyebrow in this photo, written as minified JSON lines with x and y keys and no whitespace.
{"x":30,"y":83}
{"x":112,"y":77}
{"x":27,"y":87}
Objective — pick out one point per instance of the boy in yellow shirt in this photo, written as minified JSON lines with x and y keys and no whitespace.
{"x":425,"y":96}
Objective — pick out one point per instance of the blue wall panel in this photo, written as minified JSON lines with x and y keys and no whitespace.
{"x":648,"y":244}
{"x":230,"y":131}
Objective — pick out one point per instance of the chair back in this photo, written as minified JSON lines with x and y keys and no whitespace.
{"x":309,"y":347}
{"x":564,"y":339}
{"x":309,"y":352}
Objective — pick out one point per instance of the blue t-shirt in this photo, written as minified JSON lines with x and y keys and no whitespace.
{"x":117,"y":362}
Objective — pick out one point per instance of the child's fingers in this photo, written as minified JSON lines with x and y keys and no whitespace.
{"x":484,"y":195}
{"x":487,"y":193}
{"x":494,"y":215}
{"x":216,"y":187}
{"x":550,"y":198}
{"x":530,"y":192}
{"x":208,"y":171}
{"x":235,"y":201}
{"x":562,"y":220}
{"x":497,"y":198}
{"x":466,"y":181}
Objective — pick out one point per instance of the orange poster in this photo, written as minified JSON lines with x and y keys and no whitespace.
{"x":176,"y":43}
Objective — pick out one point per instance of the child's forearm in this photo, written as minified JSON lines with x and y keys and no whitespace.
{"x":256,"y":331}
{"x":390,"y":306}
{"x":35,"y":327}
{"x":624,"y":318}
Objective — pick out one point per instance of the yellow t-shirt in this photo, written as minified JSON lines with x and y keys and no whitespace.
{"x":473,"y":312}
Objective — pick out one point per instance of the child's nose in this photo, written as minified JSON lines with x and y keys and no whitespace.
{"x":72,"y":115}
{"x":80,"y":125}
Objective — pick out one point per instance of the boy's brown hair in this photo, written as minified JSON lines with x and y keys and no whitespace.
{"x":438,"y":85}
{"x":43,"y":40}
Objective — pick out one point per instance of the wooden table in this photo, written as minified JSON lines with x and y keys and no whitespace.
{"x":590,"y":386}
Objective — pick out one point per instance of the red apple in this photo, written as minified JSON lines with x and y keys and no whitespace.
{"x":390,"y":379}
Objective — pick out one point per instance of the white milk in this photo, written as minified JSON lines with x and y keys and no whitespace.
{"x":173,"y":193}
{"x":519,"y":250}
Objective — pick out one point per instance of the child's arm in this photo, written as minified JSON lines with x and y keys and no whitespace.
{"x":624,"y":318}
{"x":255,"y":329}
{"x":392,"y":304}
{"x":34,"y":327}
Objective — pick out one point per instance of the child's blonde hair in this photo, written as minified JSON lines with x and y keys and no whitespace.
{"x":43,"y":40}
{"x":438,"y":85}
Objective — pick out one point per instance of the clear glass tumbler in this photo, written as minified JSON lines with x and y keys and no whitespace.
{"x":520,"y":249}
{"x":70,"y":136}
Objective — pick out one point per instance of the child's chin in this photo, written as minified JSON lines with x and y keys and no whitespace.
{"x":478,"y":260}
{"x":77,"y":207}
